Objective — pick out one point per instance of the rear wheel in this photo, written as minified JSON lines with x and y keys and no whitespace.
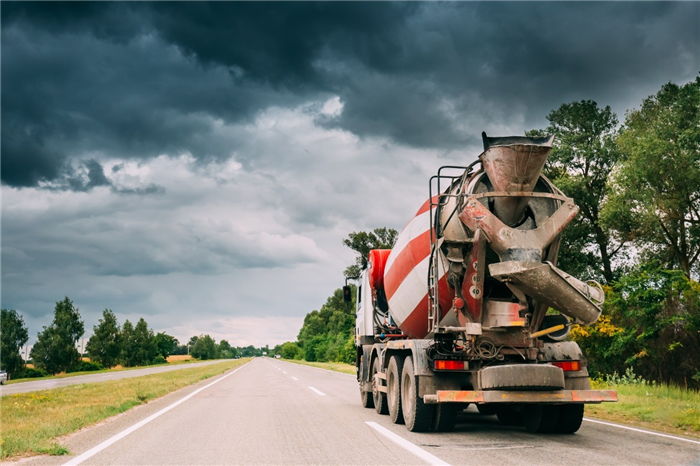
{"x":367,"y":398}
{"x":378,"y":398}
{"x":444,"y":418}
{"x":541,"y":419}
{"x":393,"y":389}
{"x":570,"y":418}
{"x":509,"y":416}
{"x":487,"y":410}
{"x":417,"y":415}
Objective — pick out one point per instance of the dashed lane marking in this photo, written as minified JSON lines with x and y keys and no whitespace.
{"x":318,"y":391}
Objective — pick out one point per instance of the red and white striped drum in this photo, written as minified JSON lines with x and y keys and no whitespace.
{"x":406,"y":276}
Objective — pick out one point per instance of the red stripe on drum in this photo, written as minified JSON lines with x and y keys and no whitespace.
{"x":416,"y":324}
{"x":426,"y":206}
{"x":412,"y":255}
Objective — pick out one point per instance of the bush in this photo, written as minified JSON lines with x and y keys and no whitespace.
{"x":87,"y":366}
{"x":159,"y":359}
{"x":31,"y":372}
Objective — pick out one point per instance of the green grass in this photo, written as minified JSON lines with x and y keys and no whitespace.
{"x":102,"y":371}
{"x":661,"y":407}
{"x":332,"y":366}
{"x":33,"y":422}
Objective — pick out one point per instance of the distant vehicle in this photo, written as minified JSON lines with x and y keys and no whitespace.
{"x":277,"y":356}
{"x":3,"y":377}
{"x":264,"y":353}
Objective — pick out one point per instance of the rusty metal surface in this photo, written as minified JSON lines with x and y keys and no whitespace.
{"x":502,"y":396}
{"x":513,"y":168}
{"x":547,"y":284}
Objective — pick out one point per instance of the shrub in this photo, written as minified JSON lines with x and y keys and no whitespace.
{"x":159,"y":359}
{"x":86,"y":366}
{"x":31,"y":372}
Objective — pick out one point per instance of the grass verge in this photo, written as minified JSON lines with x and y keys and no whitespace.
{"x":102,"y":371}
{"x":660,"y":407}
{"x":32,"y":422}
{"x":332,"y":366}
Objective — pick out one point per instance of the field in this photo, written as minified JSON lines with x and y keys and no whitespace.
{"x":33,"y":422}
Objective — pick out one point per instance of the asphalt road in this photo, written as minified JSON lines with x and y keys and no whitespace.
{"x":24,"y":387}
{"x":275,"y":412}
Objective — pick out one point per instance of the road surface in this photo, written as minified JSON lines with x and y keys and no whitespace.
{"x":24,"y":387}
{"x":275,"y":412}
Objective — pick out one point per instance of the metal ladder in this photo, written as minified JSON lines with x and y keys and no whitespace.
{"x":436,"y":204}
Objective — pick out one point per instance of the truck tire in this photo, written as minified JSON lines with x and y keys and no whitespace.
{"x":541,"y":419}
{"x":378,"y":398}
{"x":522,"y":377}
{"x":487,"y":410}
{"x":393,"y":389}
{"x":444,"y":417}
{"x":509,"y":416}
{"x":570,"y":418}
{"x":367,"y":398}
{"x":417,"y":415}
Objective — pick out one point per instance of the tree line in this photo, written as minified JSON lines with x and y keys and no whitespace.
{"x":638,"y":232}
{"x":110,"y":345}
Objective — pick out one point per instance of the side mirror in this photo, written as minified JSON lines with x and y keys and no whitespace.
{"x":347,"y":294}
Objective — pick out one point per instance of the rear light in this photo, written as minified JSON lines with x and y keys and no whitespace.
{"x":567,"y":366}
{"x":449,"y":365}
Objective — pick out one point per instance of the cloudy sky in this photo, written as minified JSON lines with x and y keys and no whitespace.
{"x":199,"y":164}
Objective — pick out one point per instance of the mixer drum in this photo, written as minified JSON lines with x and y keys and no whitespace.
{"x":406,"y":277}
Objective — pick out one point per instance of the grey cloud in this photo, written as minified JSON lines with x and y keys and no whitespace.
{"x":135,"y":80}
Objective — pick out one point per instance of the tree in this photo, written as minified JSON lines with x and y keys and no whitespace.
{"x":290,"y":350}
{"x":226,"y":350}
{"x":142,"y":348}
{"x":655,"y":198}
{"x":14,"y":335}
{"x":166,"y":344}
{"x":55,"y":349}
{"x":204,"y":348}
{"x":363,"y":242}
{"x":104,"y":345}
{"x":583,"y":155}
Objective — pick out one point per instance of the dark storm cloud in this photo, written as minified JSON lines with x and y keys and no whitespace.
{"x":136,"y":80}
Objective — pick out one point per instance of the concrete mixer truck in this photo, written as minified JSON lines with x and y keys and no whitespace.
{"x":469,"y":307}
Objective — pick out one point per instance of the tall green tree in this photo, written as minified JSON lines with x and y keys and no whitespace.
{"x":583,"y":155}
{"x":363,"y":242}
{"x":226,"y":350}
{"x":104,"y":345}
{"x":14,"y":336}
{"x":205,"y":348}
{"x":166,"y":344}
{"x":127,"y":341}
{"x":55,"y":349}
{"x":141,"y":347}
{"x":655,"y":198}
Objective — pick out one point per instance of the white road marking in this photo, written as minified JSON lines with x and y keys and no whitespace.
{"x":406,"y":445}
{"x":294,"y":378}
{"x":318,"y":391}
{"x":284,"y":372}
{"x":642,"y":431}
{"x":95,"y":450}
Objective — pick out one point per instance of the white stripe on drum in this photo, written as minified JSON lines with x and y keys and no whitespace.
{"x":415,"y":228}
{"x":412,"y":291}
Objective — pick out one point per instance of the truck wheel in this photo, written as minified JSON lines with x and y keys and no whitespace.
{"x":541,"y":419}
{"x":417,"y":415}
{"x":487,"y":410}
{"x":509,"y":416}
{"x":444,"y":418}
{"x":393,"y":389}
{"x":378,"y":397}
{"x":570,"y":418}
{"x":367,"y":398}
